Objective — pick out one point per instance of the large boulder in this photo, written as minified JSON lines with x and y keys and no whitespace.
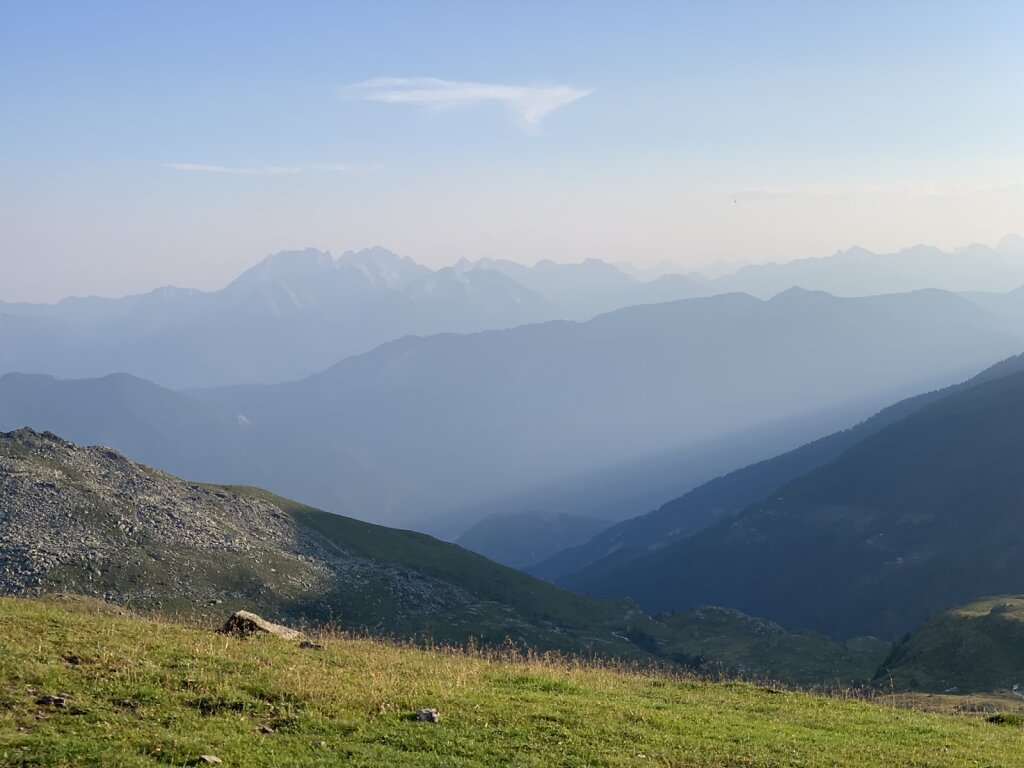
{"x":245,"y":623}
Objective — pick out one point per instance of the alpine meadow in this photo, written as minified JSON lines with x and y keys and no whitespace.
{"x":532,"y":384}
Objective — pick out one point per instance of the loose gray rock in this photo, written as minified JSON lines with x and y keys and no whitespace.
{"x":211,"y":759}
{"x":245,"y":623}
{"x":428,"y":715}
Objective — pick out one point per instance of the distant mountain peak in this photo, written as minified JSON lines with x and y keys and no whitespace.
{"x":286,"y":264}
{"x":379,"y":265}
{"x":798,"y":293}
{"x":854,"y":252}
{"x":376,"y":255}
{"x":1011,"y":245}
{"x":306,"y":258}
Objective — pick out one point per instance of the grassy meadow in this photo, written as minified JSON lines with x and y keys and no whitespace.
{"x":138,"y":691}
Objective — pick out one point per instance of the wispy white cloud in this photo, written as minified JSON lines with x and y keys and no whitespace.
{"x":258,"y":170}
{"x":528,"y":104}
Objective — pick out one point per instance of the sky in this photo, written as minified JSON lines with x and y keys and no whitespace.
{"x":156,"y":143}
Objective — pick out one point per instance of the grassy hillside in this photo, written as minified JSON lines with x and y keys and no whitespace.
{"x":725,"y":641}
{"x":728,"y":495}
{"x":521,"y":539}
{"x":86,"y":520}
{"x":508,"y":604}
{"x":976,"y":647}
{"x":921,"y":515}
{"x":145,"y":693}
{"x":718,"y":499}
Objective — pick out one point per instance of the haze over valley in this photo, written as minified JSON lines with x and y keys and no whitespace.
{"x":441,"y":384}
{"x":481,"y":417}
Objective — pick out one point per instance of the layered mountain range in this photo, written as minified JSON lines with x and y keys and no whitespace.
{"x":429,"y":426}
{"x":495,"y":404}
{"x":728,"y":495}
{"x":298,"y":312}
{"x":88,"y":521}
{"x":295,"y":313}
{"x":912,"y":515}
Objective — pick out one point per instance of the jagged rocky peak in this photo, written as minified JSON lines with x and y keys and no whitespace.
{"x":853,"y":253}
{"x":378,"y":264}
{"x":30,"y":438}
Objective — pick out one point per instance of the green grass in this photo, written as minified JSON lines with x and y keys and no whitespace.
{"x":528,"y":596}
{"x":142,"y":692}
{"x":719,"y":639}
{"x":508,"y":603}
{"x":975,"y":647}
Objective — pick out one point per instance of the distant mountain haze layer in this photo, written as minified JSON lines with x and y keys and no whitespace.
{"x":918,"y":516}
{"x":87,"y":521}
{"x":162,"y":427}
{"x":427,"y":426}
{"x":859,"y":272}
{"x":634,"y":487}
{"x":298,"y":312}
{"x":726,"y":496}
{"x":293,"y":314}
{"x":453,"y":420}
{"x":524,"y":538}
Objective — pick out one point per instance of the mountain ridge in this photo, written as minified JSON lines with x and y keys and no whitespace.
{"x":729,"y":494}
{"x":297,"y":312}
{"x":475,"y":417}
{"x":89,"y":521}
{"x":913,"y":518}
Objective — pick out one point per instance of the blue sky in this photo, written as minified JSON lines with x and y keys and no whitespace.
{"x":153,"y":143}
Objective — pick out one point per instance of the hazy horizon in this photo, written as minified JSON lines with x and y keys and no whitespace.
{"x":708,"y":270}
{"x":154,"y":145}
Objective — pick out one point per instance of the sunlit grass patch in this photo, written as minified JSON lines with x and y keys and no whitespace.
{"x":145,"y":692}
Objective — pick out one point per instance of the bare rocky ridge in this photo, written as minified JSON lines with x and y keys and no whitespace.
{"x":87,"y":520}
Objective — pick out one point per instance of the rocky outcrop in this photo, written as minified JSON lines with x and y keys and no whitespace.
{"x":86,"y":520}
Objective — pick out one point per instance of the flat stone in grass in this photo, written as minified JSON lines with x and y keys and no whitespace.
{"x":245,"y":623}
